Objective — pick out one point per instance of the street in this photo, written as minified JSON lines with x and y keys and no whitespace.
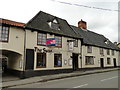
{"x":99,"y":80}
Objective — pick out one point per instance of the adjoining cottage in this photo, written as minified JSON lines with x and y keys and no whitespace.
{"x":48,"y":45}
{"x":97,"y":51}
{"x":11,"y":45}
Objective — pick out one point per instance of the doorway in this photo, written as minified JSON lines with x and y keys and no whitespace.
{"x":102,"y":62}
{"x":114,"y":61}
{"x":29,"y":59}
{"x":75,"y":61}
{"x":3,"y":64}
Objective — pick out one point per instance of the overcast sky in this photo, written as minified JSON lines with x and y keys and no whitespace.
{"x":100,"y":21}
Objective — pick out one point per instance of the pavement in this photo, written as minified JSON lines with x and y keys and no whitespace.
{"x":8,"y":77}
{"x":36,"y":79}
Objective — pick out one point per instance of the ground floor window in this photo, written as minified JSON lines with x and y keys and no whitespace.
{"x":108,"y":61}
{"x":57,"y":60}
{"x":41,"y":59}
{"x":89,"y":60}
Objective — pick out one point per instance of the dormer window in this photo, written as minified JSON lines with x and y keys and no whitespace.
{"x":50,"y":23}
{"x":106,"y":41}
{"x":54,"y":24}
{"x":58,"y":28}
{"x":55,"y":21}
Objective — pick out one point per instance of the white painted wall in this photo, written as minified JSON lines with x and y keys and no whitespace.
{"x":96,"y":54}
{"x":32,"y":42}
{"x":15,"y":45}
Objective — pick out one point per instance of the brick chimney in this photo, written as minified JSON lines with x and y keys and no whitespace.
{"x":82,"y":24}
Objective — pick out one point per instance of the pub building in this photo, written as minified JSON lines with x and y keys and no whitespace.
{"x":49,"y":45}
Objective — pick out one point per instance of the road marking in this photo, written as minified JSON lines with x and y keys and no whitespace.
{"x":109,"y":78}
{"x":77,"y":87}
{"x":81,"y":86}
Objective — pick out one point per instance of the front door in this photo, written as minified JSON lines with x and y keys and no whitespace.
{"x":29,"y":59}
{"x":114,"y":61}
{"x":102,"y":62}
{"x":75,"y":61}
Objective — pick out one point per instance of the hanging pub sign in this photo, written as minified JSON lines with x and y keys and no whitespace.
{"x":50,"y":42}
{"x":70,"y":46}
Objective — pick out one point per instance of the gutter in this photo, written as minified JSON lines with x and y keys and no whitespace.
{"x":52,"y":32}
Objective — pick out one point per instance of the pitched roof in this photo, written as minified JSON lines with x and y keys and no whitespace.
{"x":10,"y":22}
{"x":92,"y":38}
{"x":40,"y":23}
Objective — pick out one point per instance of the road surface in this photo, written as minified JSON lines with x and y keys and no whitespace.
{"x":98,"y":80}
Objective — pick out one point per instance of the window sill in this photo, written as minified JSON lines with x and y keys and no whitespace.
{"x":89,"y":64}
{"x":41,"y":45}
{"x":57,"y":66}
{"x":41,"y":67}
{"x":89,"y":52}
{"x":58,"y":46}
{"x":4,"y":41}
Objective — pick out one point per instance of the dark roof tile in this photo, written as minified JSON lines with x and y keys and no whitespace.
{"x":40,"y":22}
{"x":92,"y":38}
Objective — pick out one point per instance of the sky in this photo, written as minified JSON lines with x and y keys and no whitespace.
{"x":103,"y":22}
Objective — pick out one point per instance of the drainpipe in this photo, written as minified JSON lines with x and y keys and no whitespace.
{"x":81,"y":55}
{"x":24,"y":60}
